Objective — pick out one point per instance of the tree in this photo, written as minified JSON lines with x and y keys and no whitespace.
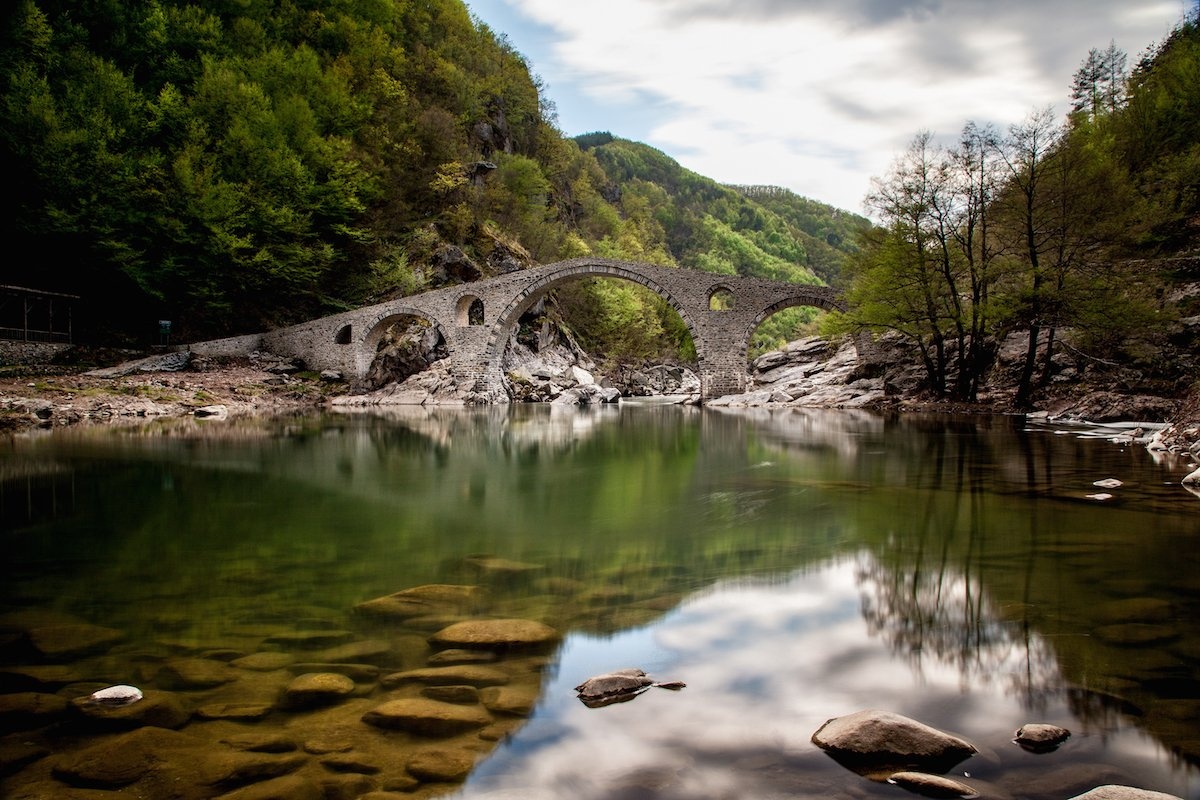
{"x":975,"y":172}
{"x":1098,"y":86}
{"x":905,"y":276}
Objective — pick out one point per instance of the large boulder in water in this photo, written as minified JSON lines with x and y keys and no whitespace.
{"x":874,"y":738}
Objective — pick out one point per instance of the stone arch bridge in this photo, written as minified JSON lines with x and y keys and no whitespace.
{"x":476,"y":320}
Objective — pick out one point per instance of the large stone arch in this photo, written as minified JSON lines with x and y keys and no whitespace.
{"x":501,"y":329}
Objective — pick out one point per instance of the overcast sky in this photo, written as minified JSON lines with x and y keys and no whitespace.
{"x":814,"y":95}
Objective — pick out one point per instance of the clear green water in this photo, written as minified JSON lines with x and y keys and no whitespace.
{"x":789,"y":566}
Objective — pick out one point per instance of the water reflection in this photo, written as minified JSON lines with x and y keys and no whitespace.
{"x":788,"y":566}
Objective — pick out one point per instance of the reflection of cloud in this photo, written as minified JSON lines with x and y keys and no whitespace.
{"x":766,"y":664}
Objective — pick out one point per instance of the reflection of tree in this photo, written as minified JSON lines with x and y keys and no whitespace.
{"x":932,"y":611}
{"x":997,"y":567}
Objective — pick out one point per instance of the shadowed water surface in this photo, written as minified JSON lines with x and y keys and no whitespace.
{"x":789,"y":566}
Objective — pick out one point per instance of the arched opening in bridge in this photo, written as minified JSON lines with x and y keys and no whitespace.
{"x":344,"y":335}
{"x":782,"y":327}
{"x":613,"y":327}
{"x":720,"y":299}
{"x":403,"y":345}
{"x":469,"y":311}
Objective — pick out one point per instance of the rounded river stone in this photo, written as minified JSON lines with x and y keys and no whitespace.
{"x":883,"y":736}
{"x":1040,"y":736}
{"x":491,"y":634}
{"x":427,"y":717}
{"x":931,"y":785}
{"x":316,"y":689}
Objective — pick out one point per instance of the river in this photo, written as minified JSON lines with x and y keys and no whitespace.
{"x":789,"y":566}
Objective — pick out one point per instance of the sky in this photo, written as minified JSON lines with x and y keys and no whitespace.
{"x":818,"y":96}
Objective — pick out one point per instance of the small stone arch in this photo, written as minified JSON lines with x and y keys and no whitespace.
{"x":344,"y":335}
{"x":469,"y":311}
{"x":721,"y":298}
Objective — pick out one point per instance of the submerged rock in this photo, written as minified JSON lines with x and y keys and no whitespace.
{"x":441,"y":765}
{"x":122,"y":760}
{"x":461,"y":675}
{"x":194,"y":673}
{"x":29,"y":710}
{"x":63,"y":642}
{"x":156,"y":709}
{"x":427,"y":717}
{"x":1040,"y":737}
{"x":496,"y":634}
{"x":317,"y":689}
{"x":872,"y":737}
{"x":425,"y":600}
{"x":931,"y":785}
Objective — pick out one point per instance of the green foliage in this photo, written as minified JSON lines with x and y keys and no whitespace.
{"x":237,"y":165}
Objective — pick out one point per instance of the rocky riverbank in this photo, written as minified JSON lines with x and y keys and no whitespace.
{"x":810,"y":372}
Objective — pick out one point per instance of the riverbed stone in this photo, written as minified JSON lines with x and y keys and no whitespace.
{"x":441,"y":764}
{"x":426,"y":600}
{"x":458,"y":656}
{"x":63,"y":642}
{"x":240,"y":712}
{"x":266,"y":661}
{"x":931,"y":785}
{"x":288,"y":787}
{"x":882,"y":737}
{"x":1117,"y":792}
{"x":368,"y":651}
{"x":517,"y":701}
{"x":235,"y":767}
{"x":22,"y":711}
{"x":123,"y":759}
{"x":311,"y":639}
{"x":427,"y":717}
{"x":466,"y":675}
{"x":495,"y":568}
{"x":194,"y":673}
{"x":317,"y":689}
{"x":157,"y":708}
{"x":1041,"y":737}
{"x":38,"y":677}
{"x":350,"y":762}
{"x":464,"y":695}
{"x":261,"y":742}
{"x":496,"y":634}
{"x":359,"y":673}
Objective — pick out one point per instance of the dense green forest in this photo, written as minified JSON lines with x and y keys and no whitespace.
{"x":1061,"y":229}
{"x":238,"y":164}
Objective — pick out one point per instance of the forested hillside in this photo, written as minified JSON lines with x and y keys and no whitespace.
{"x":1069,"y":232}
{"x":236,"y":165}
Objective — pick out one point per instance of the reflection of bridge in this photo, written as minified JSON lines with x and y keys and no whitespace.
{"x":476,"y":320}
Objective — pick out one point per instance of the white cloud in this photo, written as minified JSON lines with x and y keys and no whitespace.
{"x":818,"y":96}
